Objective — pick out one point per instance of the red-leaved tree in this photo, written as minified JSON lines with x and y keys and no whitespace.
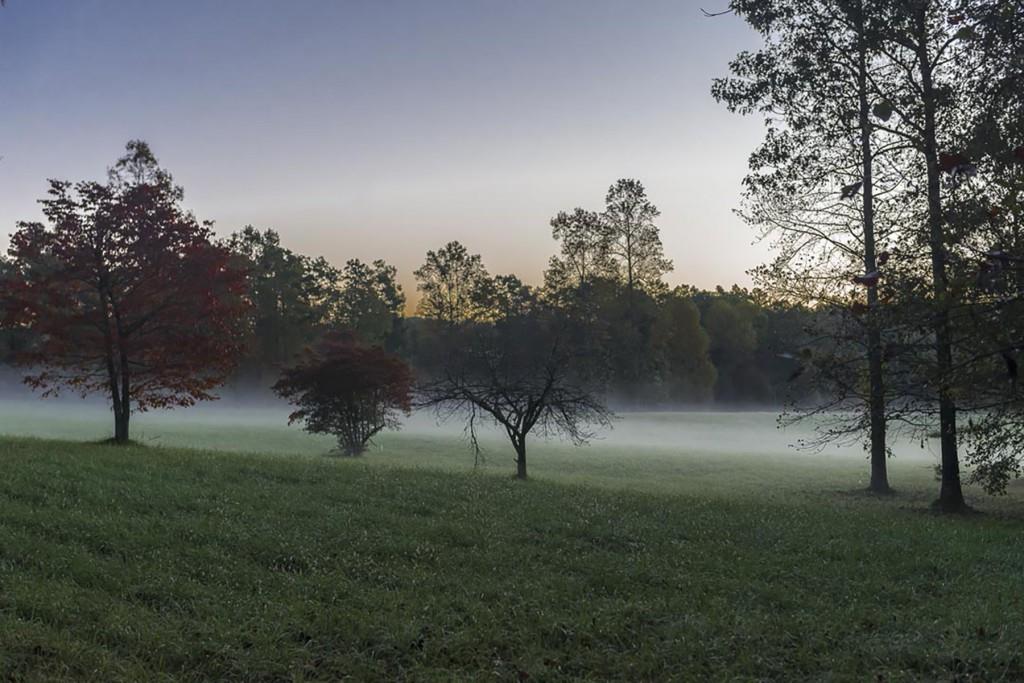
{"x":348,"y":389}
{"x":125,"y":293}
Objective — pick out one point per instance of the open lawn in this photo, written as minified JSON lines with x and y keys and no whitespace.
{"x":705,"y":550}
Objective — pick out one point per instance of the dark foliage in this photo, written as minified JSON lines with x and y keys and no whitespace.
{"x":346,"y":388}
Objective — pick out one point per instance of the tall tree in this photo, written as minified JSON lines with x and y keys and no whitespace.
{"x":584,"y":247}
{"x":610,"y":273}
{"x":856,"y":19}
{"x":821,"y":157}
{"x":987,"y":213}
{"x":125,"y":292}
{"x":450,"y":283}
{"x":631,"y":238}
{"x":370,"y":301}
{"x":292,"y":296}
{"x":923,"y":38}
{"x":927,"y":48}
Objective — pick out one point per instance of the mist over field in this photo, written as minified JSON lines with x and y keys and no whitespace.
{"x":259,"y":423}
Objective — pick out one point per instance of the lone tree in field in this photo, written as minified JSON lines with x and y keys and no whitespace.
{"x":124,"y":293}
{"x":529,"y":373}
{"x":345,"y":388}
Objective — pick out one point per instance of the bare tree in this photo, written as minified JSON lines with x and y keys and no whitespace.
{"x":530,"y":374}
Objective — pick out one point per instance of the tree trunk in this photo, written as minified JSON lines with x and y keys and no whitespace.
{"x":121,"y":425}
{"x":351,"y":448}
{"x":122,"y":414}
{"x":521,"y":459}
{"x":876,"y":401}
{"x":119,"y":398}
{"x":951,"y":497}
{"x":116,"y":382}
{"x":876,"y":410}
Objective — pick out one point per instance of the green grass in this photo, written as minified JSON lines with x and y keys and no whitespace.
{"x":666,"y":561}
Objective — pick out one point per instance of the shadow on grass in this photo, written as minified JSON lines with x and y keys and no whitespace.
{"x":111,"y":441}
{"x":868,"y":494}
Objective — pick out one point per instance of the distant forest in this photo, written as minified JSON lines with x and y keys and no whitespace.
{"x":661,"y":347}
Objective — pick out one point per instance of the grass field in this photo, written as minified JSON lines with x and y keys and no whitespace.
{"x":704,"y":550}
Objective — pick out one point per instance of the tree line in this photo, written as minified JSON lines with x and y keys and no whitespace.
{"x":123,"y":292}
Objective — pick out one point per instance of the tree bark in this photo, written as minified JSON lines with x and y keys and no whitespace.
{"x":520,"y":447}
{"x":876,"y":397}
{"x":115,"y":367}
{"x":352,"y":446}
{"x":121,"y":418}
{"x":121,"y":430}
{"x":951,"y":497}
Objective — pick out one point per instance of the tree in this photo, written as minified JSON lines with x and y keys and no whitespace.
{"x":528,"y":373}
{"x":687,"y":374}
{"x":292,"y":297}
{"x":931,"y":71}
{"x":450,"y":283}
{"x":370,"y":301}
{"x":927,"y":56}
{"x":631,"y":238}
{"x":856,"y":17}
{"x":348,"y":389}
{"x":927,"y":90}
{"x":609,"y":273}
{"x":813,"y":184}
{"x":505,"y":296}
{"x":584,"y":249}
{"x":990,"y":208}
{"x":730,"y":321}
{"x":125,"y":293}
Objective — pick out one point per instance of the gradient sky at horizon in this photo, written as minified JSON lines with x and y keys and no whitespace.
{"x":383,"y":128}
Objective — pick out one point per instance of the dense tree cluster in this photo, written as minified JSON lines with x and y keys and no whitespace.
{"x":890,"y":180}
{"x":295,"y":299}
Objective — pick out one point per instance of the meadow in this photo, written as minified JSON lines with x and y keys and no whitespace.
{"x":683,"y":546}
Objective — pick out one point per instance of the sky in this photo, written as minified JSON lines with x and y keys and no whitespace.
{"x":384,"y":128}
